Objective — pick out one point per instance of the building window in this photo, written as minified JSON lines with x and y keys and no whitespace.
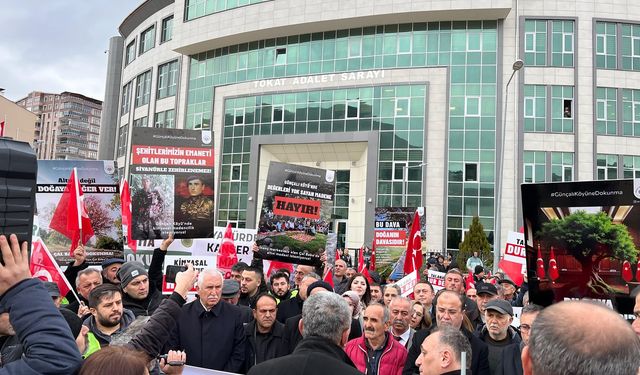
{"x":534,"y":166}
{"x":167,"y":79}
{"x":402,"y":107}
{"x":143,"y":88}
{"x":281,"y":56}
{"x":562,"y":108}
{"x":147,"y":39}
{"x":562,"y":43}
{"x":355,"y":46}
{"x":630,"y":46}
{"x":404,"y":43}
{"x":606,"y":111}
{"x":236,"y":172}
{"x":471,"y":172}
{"x":631,"y":112}
{"x":535,"y":108}
{"x":631,"y":167}
{"x":606,"y":45}
{"x":398,"y":170}
{"x":535,"y":42}
{"x":353,"y":108}
{"x":165,"y":119}
{"x":561,"y":166}
{"x":607,"y":167}
{"x":472,"y":106}
{"x":167,"y":29}
{"x":131,"y":52}
{"x":122,"y":140}
{"x":141,"y":122}
{"x":199,"y":8}
{"x":238,"y":116}
{"x":126,"y":98}
{"x":277,"y":113}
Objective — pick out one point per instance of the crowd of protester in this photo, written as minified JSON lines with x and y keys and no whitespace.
{"x":296,"y":323}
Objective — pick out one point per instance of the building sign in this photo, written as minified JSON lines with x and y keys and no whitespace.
{"x":319,"y":79}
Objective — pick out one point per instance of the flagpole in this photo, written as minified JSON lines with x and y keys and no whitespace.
{"x":78,"y":203}
{"x":55,"y":264}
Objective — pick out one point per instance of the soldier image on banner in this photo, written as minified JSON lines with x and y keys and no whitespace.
{"x":171,"y":183}
{"x":296,"y":212}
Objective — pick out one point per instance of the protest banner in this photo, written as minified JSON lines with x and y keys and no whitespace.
{"x":199,"y":263}
{"x":296,"y":213}
{"x":436,"y":278}
{"x":199,"y":247}
{"x":171,"y":183}
{"x":578,"y":237}
{"x":514,"y":257}
{"x":407,"y":283}
{"x":99,"y":181}
{"x":391,"y":229}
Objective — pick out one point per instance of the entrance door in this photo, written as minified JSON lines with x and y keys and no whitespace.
{"x":340,"y":227}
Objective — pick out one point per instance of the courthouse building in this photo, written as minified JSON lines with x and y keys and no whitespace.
{"x":413,"y":102}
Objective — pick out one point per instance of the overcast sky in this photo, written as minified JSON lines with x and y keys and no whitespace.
{"x":57,"y":45}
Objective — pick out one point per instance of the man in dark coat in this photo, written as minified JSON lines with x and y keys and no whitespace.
{"x":209,"y":330}
{"x":325,"y":323}
{"x":449,"y":312}
{"x":142,"y":290}
{"x":264,"y":334}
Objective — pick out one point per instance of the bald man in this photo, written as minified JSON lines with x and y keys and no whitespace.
{"x":581,"y":337}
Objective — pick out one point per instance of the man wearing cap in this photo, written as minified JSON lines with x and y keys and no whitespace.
{"x":110,"y":269}
{"x":497,"y":333}
{"x":485,"y":292}
{"x":508,"y":291}
{"x":142,"y":290}
{"x":231,"y":294}
{"x":197,"y":209}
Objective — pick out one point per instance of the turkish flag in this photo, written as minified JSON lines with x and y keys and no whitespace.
{"x":470,"y":281}
{"x":227,"y":256}
{"x":2,"y":128}
{"x":361,"y":265}
{"x":43,"y":266}
{"x":328,"y":277}
{"x":540,"y":265}
{"x":626,"y":271}
{"x":413,"y":256}
{"x":275,"y":265}
{"x":70,"y":217}
{"x":372,"y":260}
{"x":553,"y":266}
{"x":125,"y":202}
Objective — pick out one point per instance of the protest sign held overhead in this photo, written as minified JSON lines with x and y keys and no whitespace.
{"x":171,"y":183}
{"x":296,"y":213}
{"x":99,"y":183}
{"x":579,"y":236}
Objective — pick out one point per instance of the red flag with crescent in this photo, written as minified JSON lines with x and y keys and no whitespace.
{"x":553,"y":266}
{"x":540,"y":265}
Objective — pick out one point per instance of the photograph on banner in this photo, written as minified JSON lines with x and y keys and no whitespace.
{"x":513,"y":260}
{"x":391,"y":228}
{"x":296,"y":213}
{"x":582,"y":241}
{"x":171,"y":183}
{"x":101,"y":195}
{"x":199,"y":263}
{"x":243,"y":240}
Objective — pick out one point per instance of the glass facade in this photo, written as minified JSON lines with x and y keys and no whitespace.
{"x":147,"y":39}
{"x":143,"y":88}
{"x":606,"y":111}
{"x":468,"y":48}
{"x":199,"y":8}
{"x":314,"y":112}
{"x":562,"y":107}
{"x":630,"y":46}
{"x":125,"y":104}
{"x":561,"y":166}
{"x":534,"y":166}
{"x":167,"y":79}
{"x":549,"y":42}
{"x":606,"y":45}
{"x":130,"y":53}
{"x":167,"y":29}
{"x":165,"y":119}
{"x":607,"y":167}
{"x":341,"y":201}
{"x":631,"y":112}
{"x":535,"y":108}
{"x":630,"y":166}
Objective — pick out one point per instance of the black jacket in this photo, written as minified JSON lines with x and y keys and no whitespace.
{"x":499,"y":355}
{"x":155,"y":333}
{"x":289,"y":308}
{"x":10,"y":351}
{"x":292,"y":335}
{"x":45,"y":337}
{"x":212,"y":339}
{"x":145,"y":307}
{"x":470,"y":309}
{"x":273,"y":343}
{"x":479,"y":353}
{"x":511,"y":360}
{"x":314,"y":356}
